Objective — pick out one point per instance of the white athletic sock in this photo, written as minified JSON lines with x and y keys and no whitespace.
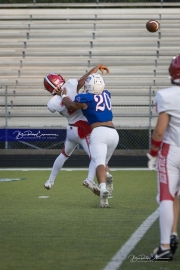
{"x":102,"y":185}
{"x":174,"y":233}
{"x":58,"y":164}
{"x":92,"y":171}
{"x":166,"y":220}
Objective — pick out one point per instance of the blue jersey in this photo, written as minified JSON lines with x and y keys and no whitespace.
{"x":99,"y":106}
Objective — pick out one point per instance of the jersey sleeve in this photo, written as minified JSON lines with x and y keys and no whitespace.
{"x":84,"y":98}
{"x":80,"y":98}
{"x":163,"y":103}
{"x":55,"y":104}
{"x":71,"y":86}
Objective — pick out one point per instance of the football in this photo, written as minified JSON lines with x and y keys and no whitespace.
{"x":152,"y":26}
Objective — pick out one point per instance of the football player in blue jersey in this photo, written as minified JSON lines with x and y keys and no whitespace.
{"x":95,"y":103}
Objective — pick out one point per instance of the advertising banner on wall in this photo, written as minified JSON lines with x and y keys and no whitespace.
{"x":29,"y":135}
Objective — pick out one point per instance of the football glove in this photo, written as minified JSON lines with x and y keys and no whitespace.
{"x":152,"y":162}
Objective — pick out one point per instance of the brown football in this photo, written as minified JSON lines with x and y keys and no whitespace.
{"x":152,"y":26}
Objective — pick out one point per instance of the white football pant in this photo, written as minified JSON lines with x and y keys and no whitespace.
{"x":103,"y":142}
{"x":168,"y":187}
{"x":72,"y":140}
{"x":168,"y":172}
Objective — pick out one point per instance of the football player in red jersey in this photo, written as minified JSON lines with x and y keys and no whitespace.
{"x":164,"y":156}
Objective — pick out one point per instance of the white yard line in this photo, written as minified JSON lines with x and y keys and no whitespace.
{"x":125,"y":250}
{"x":71,"y":169}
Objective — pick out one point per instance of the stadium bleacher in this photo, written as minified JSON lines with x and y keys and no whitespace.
{"x":38,"y":41}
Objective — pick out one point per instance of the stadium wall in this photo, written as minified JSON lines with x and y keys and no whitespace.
{"x":45,"y":159}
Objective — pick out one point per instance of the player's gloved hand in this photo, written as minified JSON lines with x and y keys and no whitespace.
{"x":152,"y":162}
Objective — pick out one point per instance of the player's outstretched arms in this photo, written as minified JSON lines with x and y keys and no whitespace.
{"x":100,"y":67}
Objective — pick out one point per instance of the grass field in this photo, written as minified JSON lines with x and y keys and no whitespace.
{"x":68,"y":230}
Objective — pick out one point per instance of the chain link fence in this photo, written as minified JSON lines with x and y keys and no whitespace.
{"x":26,"y":122}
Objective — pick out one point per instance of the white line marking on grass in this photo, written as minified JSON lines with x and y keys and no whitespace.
{"x":11,"y":179}
{"x":43,"y":197}
{"x":121,"y":255}
{"x":71,"y":169}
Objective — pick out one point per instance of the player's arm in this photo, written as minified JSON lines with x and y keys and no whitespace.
{"x":158,"y":132}
{"x":100,"y":67}
{"x":71,"y":105}
{"x":156,"y":139}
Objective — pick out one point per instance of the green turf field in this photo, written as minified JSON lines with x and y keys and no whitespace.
{"x":68,"y":230}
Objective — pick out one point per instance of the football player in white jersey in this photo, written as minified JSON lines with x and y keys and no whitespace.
{"x":164,"y":156}
{"x":96,"y":107}
{"x":78,"y":129}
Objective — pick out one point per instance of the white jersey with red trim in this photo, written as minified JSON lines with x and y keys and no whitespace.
{"x":55,"y":104}
{"x":168,"y":100}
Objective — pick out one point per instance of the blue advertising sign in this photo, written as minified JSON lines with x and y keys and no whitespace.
{"x":35,"y":135}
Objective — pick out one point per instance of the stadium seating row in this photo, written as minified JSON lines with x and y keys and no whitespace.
{"x":35,"y":42}
{"x":86,"y":13}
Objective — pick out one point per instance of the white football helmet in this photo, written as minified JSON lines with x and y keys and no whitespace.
{"x":94,"y":84}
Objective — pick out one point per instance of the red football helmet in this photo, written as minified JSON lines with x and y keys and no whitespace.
{"x":52,"y":80}
{"x":174,"y":69}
